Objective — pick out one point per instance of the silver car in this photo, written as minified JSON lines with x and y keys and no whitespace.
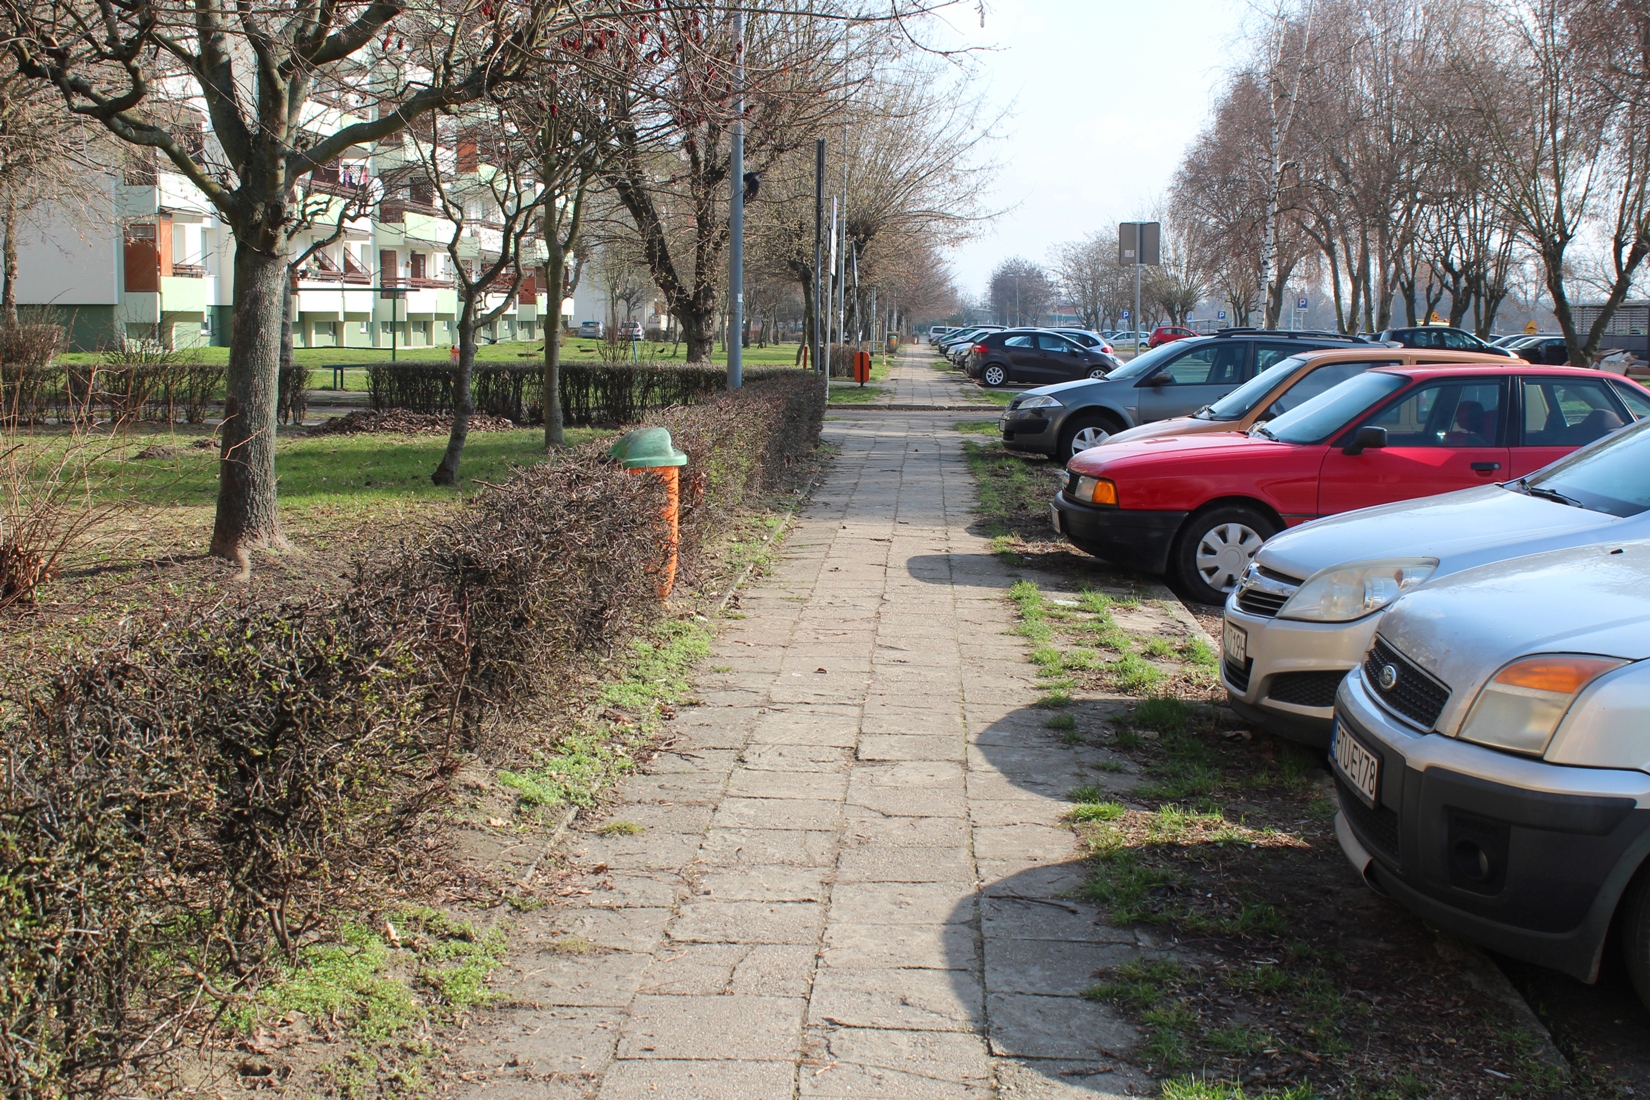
{"x":1492,"y":757}
{"x":1304,"y":611}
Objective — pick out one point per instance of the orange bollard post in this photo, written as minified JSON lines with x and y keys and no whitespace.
{"x":862,"y":367}
{"x":649,"y":450}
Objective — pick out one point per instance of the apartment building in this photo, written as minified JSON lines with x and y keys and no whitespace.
{"x":143,"y":256}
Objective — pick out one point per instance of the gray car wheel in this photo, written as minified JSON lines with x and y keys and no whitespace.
{"x":1090,"y":435}
{"x":1097,"y":372}
{"x":993,"y":375}
{"x":1215,"y":548}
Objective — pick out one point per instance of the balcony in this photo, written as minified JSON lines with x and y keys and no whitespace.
{"x":395,"y":211}
{"x":189,"y":271}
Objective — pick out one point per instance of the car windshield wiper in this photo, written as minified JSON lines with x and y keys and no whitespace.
{"x":1262,"y":429}
{"x":1203,"y":413}
{"x":1550,"y":494}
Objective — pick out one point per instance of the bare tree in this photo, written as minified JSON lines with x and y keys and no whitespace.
{"x":1282,"y":76}
{"x":480,"y":171}
{"x":1567,"y":153}
{"x":1020,"y":291}
{"x":252,"y":71}
{"x":45,"y":156}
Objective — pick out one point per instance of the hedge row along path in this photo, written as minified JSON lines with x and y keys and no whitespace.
{"x":847,"y":876}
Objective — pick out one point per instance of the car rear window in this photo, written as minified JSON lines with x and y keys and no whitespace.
{"x":1608,"y":476}
{"x":1316,"y":420}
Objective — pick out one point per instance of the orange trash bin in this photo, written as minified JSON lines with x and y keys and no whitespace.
{"x":650,"y":450}
{"x":862,"y":367}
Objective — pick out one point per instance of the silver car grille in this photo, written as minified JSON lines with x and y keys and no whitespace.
{"x":1263,"y":591}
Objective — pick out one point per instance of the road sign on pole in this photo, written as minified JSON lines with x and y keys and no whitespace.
{"x":1137,"y":245}
{"x":1300,"y":303}
{"x":1220,"y":315}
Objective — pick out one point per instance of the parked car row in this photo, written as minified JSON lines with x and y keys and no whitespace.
{"x":1435,"y":565}
{"x":1035,"y":356}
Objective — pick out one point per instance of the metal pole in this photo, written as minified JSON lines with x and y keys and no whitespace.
{"x":842,"y":273}
{"x":817,"y":337}
{"x":736,"y":212}
{"x":1136,"y":315}
{"x":830,"y":306}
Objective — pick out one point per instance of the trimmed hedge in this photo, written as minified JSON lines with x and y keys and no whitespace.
{"x":590,"y":393}
{"x":194,"y":796}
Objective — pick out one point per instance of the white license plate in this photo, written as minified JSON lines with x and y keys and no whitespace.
{"x":1054,"y":520}
{"x":1357,"y":765}
{"x":1235,"y":640}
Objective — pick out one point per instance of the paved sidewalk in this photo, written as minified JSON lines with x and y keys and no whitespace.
{"x":853,"y":877}
{"x":912,"y":381}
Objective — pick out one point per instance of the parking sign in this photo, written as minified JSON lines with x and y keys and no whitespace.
{"x":1221,"y":315}
{"x":1301,"y":304}
{"x":1124,"y":315}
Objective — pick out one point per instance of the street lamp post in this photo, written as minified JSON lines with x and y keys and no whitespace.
{"x":736,"y":212}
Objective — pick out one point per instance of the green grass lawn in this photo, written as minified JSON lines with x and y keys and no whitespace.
{"x":522,"y":351}
{"x":313,"y":471}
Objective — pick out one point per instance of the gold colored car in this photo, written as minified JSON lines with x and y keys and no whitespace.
{"x":1289,"y":382}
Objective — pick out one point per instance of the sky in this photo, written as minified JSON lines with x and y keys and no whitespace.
{"x":1104,"y":98}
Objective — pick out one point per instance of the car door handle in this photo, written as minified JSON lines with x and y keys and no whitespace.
{"x":1485,"y":467}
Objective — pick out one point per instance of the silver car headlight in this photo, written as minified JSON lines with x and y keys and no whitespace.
{"x":1346,"y":592}
{"x":1521,"y":706}
{"x":1038,"y":401}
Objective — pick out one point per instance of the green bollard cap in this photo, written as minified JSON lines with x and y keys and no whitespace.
{"x":645,"y":448}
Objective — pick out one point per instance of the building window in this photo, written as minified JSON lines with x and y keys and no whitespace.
{"x":386,"y":327}
{"x":366,"y":328}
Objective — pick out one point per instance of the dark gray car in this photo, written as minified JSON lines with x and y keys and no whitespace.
{"x":1173,"y":380}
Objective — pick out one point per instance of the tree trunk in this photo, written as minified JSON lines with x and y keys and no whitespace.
{"x":446,"y":473}
{"x":554,"y":431}
{"x":699,"y":333}
{"x":247,"y":518}
{"x":8,"y":277}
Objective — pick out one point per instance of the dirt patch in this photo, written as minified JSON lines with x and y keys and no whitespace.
{"x":401,"y":422}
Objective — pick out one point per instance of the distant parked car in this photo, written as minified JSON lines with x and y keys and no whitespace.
{"x":1489,"y":758}
{"x":937,"y":332}
{"x":1545,"y":350}
{"x":592,"y":330}
{"x":1165,"y":334}
{"x":1199,"y":510}
{"x":630,"y":330}
{"x":1438,"y":338}
{"x":1087,"y":338}
{"x":1038,"y":356}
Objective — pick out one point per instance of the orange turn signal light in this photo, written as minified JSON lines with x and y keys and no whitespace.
{"x":1098,"y":490}
{"x":1561,"y":675}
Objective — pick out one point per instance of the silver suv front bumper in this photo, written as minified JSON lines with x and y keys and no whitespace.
{"x":1287,"y":680}
{"x":1525,"y":857}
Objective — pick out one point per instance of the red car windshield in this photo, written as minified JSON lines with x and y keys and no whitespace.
{"x":1318,"y":419}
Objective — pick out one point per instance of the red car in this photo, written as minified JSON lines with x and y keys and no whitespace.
{"x":1168,"y":334}
{"x":1197,"y":507}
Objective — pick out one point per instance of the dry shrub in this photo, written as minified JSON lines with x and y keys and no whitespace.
{"x":205,"y":792}
{"x":48,"y":505}
{"x":401,"y":422}
{"x":605,"y":393}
